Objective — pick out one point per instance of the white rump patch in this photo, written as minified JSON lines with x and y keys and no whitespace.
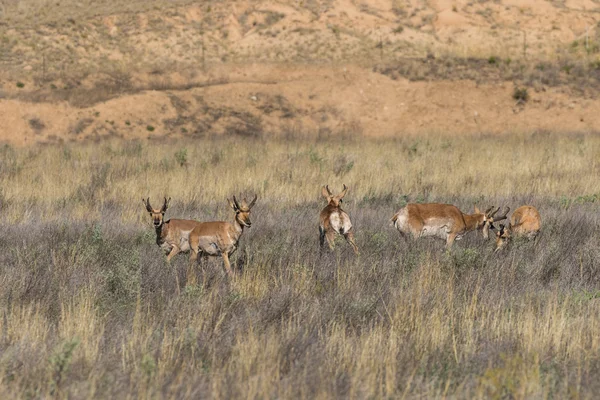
{"x":340,"y":222}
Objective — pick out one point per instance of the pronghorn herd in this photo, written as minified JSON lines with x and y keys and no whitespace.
{"x":444,"y":221}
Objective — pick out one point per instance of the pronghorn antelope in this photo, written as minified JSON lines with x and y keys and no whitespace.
{"x":221,"y":238}
{"x":173,"y":236}
{"x":335,"y":220}
{"x":444,"y":221}
{"x":525,"y":222}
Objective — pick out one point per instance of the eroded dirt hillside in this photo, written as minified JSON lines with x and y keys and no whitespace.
{"x":81,"y":70}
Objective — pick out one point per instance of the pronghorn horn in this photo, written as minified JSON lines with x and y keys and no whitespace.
{"x":328,"y":191}
{"x":253,"y":201}
{"x":166,"y":204}
{"x":343,"y":193}
{"x":504,"y":214}
{"x":147,"y":203}
{"x":494,"y":212}
{"x":487,"y":212}
{"x":235,"y":202}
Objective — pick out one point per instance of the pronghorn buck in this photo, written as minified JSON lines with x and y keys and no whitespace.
{"x":524,"y":222}
{"x":335,"y":220}
{"x":173,"y":236}
{"x":444,"y":221}
{"x":221,"y":238}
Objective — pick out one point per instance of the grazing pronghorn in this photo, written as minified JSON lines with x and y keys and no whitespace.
{"x":335,"y":220}
{"x":444,"y":221}
{"x":524,"y":222}
{"x":173,"y":236}
{"x":221,"y":238}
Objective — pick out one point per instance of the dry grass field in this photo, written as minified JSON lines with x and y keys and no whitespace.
{"x":91,"y":309}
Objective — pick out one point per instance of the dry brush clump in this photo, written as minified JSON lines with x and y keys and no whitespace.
{"x":91,"y":308}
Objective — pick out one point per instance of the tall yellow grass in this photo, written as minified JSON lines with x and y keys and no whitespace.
{"x":84,"y":178}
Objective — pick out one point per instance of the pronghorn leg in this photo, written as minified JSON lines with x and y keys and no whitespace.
{"x":191,"y":272}
{"x":227,"y":265}
{"x":330,"y":235}
{"x":321,"y":237}
{"x":403,"y":236}
{"x":173,"y":253}
{"x":350,"y":239}
{"x":450,"y":240}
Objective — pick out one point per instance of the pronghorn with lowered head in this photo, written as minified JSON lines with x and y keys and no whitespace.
{"x":221,"y":238}
{"x":444,"y":221}
{"x":173,"y":236}
{"x":524,"y":222}
{"x":335,"y":220}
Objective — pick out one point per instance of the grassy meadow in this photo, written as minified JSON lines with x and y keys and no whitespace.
{"x":91,"y":309}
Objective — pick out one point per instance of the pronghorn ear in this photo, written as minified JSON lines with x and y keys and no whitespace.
{"x":477,"y":210}
{"x":147,"y":204}
{"x":325,"y":192}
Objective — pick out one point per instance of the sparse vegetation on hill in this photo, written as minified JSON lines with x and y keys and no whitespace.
{"x":72,"y":57}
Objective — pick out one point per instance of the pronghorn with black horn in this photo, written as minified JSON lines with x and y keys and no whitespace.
{"x":335,"y":220}
{"x":219,"y":238}
{"x":173,"y":236}
{"x":524,"y":222}
{"x":444,"y":221}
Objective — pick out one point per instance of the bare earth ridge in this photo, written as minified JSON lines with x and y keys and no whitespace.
{"x":379,"y":68}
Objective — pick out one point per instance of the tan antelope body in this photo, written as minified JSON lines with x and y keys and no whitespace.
{"x":333,"y":220}
{"x":443,"y":221}
{"x":524,"y":222}
{"x":173,"y":236}
{"x":220,"y":238}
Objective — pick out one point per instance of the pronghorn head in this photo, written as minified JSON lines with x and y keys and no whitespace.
{"x":242,"y":211}
{"x":486,"y":219}
{"x":502,"y":237}
{"x":332,"y":200}
{"x":158,"y":215}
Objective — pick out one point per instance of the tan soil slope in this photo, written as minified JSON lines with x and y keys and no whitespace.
{"x":85,"y":69}
{"x":296,"y":101}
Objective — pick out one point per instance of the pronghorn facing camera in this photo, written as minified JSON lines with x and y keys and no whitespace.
{"x":221,"y":238}
{"x":335,"y":220}
{"x":444,"y":221}
{"x":173,"y":236}
{"x":524,"y":222}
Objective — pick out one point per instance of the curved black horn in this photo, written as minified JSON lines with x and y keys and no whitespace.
{"x":253,"y":201}
{"x":504,"y":214}
{"x":166,"y":204}
{"x":235,"y":202}
{"x":147,"y":203}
